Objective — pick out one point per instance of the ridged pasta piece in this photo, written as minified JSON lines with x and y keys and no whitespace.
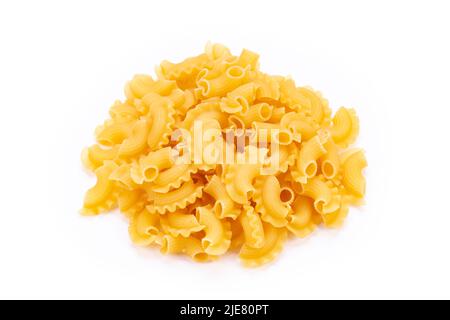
{"x":310,"y":151}
{"x":319,"y":109}
{"x":173,"y":177}
{"x":268,"y":201}
{"x":180,"y":224}
{"x":273,"y":244}
{"x":187,"y":67}
{"x":122,"y":177}
{"x":190,"y":246}
{"x":336,"y":219}
{"x":175,"y":199}
{"x":330,"y":163}
{"x":260,"y":112}
{"x":131,"y":202}
{"x":238,"y":236}
{"x":282,"y":159}
{"x":239,"y":181}
{"x":148,"y":167}
{"x":101,"y":197}
{"x":224,"y":206}
{"x":232,"y":78}
{"x":161,"y":113}
{"x":239,"y":99}
{"x":205,"y":111}
{"x":139,"y":86}
{"x":252,"y":226}
{"x":302,"y":126}
{"x":123,"y":112}
{"x":273,"y":132}
{"x":267,"y":87}
{"x":218,"y":234}
{"x":248,"y":59}
{"x":304,"y":218}
{"x":326,"y":196}
{"x":136,"y":143}
{"x":112,"y":133}
{"x":293,"y":98}
{"x":353,"y":179}
{"x":94,"y":156}
{"x":345,"y":128}
{"x":143,"y":228}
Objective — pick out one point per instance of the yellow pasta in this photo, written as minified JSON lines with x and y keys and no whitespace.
{"x":180,"y":224}
{"x":273,"y":244}
{"x":143,"y":228}
{"x":101,"y":197}
{"x":213,"y":156}
{"x":218,"y":234}
{"x":268,"y":202}
{"x":345,"y":127}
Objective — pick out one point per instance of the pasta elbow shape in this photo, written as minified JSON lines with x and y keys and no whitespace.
{"x":268,"y":202}
{"x":143,"y":228}
{"x":353,"y":179}
{"x":224,"y":206}
{"x":304,"y":219}
{"x":345,"y":128}
{"x":252,"y":227}
{"x":102,"y":196}
{"x":273,"y":245}
{"x":180,"y":224}
{"x":218,"y":234}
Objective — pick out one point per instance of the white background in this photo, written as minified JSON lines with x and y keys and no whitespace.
{"x":63,"y":63}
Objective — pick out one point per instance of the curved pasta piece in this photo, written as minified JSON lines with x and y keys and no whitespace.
{"x":302,"y":126}
{"x":94,"y":156}
{"x":161,"y":113}
{"x":345,"y":128}
{"x":239,"y":99}
{"x":218,"y":234}
{"x":205,"y":111}
{"x":224,"y":207}
{"x":113,"y":133}
{"x":319,"y":109}
{"x":267,"y":87}
{"x":304,"y":218}
{"x":190,"y":246}
{"x":232,"y":78}
{"x":353,"y":179}
{"x":336,"y":219}
{"x":292,"y":97}
{"x":173,"y":177}
{"x":121,"y":176}
{"x":326,"y":196}
{"x":253,"y":227}
{"x":282,"y":159}
{"x":260,"y":112}
{"x":180,"y":224}
{"x":330,"y":163}
{"x":238,"y":236}
{"x":148,"y":167}
{"x":176,"y":199}
{"x":137,"y":141}
{"x":306,"y":166}
{"x":102,"y":196}
{"x":138,"y":87}
{"x":268,"y":201}
{"x":131,"y":202}
{"x":239,"y":181}
{"x":272,"y":133}
{"x":143,"y":228}
{"x":273,"y":244}
{"x":123,"y":112}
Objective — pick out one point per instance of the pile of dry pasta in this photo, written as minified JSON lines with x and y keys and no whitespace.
{"x":206,"y":208}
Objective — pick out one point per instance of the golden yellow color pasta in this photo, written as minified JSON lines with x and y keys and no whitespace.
{"x":271,"y":159}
